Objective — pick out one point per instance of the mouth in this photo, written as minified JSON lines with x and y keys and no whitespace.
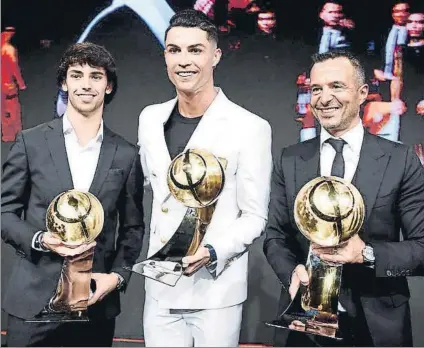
{"x":186,"y":74}
{"x":328,"y":112}
{"x":85,"y":96}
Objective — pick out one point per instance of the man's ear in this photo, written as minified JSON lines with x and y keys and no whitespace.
{"x":363,"y":93}
{"x":109,"y":88}
{"x":217,"y":57}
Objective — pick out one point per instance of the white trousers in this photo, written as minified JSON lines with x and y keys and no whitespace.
{"x":203,"y":328}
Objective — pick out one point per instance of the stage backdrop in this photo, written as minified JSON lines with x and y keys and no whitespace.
{"x":265,"y":53}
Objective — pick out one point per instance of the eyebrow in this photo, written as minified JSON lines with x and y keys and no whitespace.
{"x":75,"y":71}
{"x":331,"y":83}
{"x":191,"y":46}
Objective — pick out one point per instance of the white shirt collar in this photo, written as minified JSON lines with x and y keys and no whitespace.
{"x":353,"y":137}
{"x":68,"y":128}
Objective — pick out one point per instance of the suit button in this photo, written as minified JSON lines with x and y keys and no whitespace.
{"x":165,"y":209}
{"x":389,"y":273}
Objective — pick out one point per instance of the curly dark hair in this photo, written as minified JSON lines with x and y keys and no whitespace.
{"x":93,"y":55}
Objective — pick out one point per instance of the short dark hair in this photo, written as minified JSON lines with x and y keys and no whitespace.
{"x":191,"y":18}
{"x":354,"y":60}
{"x":95,"y":56}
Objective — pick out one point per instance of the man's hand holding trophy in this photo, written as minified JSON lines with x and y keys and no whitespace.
{"x":74,"y":219}
{"x":329,"y":212}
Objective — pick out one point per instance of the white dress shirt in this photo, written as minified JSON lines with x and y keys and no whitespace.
{"x":351,"y":152}
{"x":82,"y":161}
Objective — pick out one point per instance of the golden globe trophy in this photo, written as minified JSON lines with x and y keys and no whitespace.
{"x":328,"y":211}
{"x":196,"y":179}
{"x":76,"y":218}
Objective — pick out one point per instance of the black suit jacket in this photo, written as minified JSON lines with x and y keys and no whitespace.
{"x":391,"y":180}
{"x":35,"y":172}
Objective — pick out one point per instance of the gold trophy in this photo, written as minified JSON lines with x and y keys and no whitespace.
{"x":76,"y":218}
{"x":328,"y":211}
{"x":196,"y":179}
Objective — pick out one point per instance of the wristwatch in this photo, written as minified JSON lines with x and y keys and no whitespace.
{"x":368,"y":254}
{"x":212,"y":254}
{"x":121,"y":281}
{"x":38,"y":242}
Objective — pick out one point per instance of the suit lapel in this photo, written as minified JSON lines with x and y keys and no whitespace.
{"x":56,"y":144}
{"x":370,"y":171}
{"x":158,"y":134}
{"x":307,"y":164}
{"x":210,"y":125}
{"x":306,"y":168}
{"x":107,"y":154}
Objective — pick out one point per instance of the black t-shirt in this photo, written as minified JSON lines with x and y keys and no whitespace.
{"x":178,"y":131}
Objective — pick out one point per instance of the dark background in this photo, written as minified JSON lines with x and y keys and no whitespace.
{"x":260,"y":76}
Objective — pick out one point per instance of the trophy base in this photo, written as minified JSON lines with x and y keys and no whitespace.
{"x":308,"y":326}
{"x":63,"y":317}
{"x":165,"y":272}
{"x":311,"y":321}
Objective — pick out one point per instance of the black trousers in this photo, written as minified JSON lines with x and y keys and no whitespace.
{"x":95,"y":333}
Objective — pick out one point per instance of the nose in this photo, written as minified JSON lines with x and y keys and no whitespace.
{"x":184,"y":59}
{"x":326,"y":96}
{"x":86,"y":83}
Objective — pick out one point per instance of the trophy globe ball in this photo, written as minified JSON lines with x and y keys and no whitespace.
{"x":76,"y":217}
{"x":329,"y":210}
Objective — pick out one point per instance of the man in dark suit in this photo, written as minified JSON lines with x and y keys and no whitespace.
{"x":373,"y":301}
{"x":74,"y":152}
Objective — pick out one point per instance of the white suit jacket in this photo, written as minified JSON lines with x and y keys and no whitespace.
{"x":244,"y":139}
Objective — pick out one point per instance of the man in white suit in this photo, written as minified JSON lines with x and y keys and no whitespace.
{"x":204,"y":309}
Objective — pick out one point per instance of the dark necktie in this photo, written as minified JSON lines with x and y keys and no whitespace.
{"x":338,"y":168}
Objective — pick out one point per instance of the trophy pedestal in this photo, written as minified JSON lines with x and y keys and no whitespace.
{"x":51,"y":317}
{"x":314,"y":308}
{"x":311,"y":321}
{"x":72,"y":293}
{"x":166,"y":272}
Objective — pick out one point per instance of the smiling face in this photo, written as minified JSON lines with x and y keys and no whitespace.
{"x":190,"y":59}
{"x":336,"y":95}
{"x":86,"y":87}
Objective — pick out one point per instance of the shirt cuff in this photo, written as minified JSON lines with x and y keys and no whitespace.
{"x":36,"y":242}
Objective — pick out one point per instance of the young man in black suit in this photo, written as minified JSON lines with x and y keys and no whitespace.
{"x":74,"y":152}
